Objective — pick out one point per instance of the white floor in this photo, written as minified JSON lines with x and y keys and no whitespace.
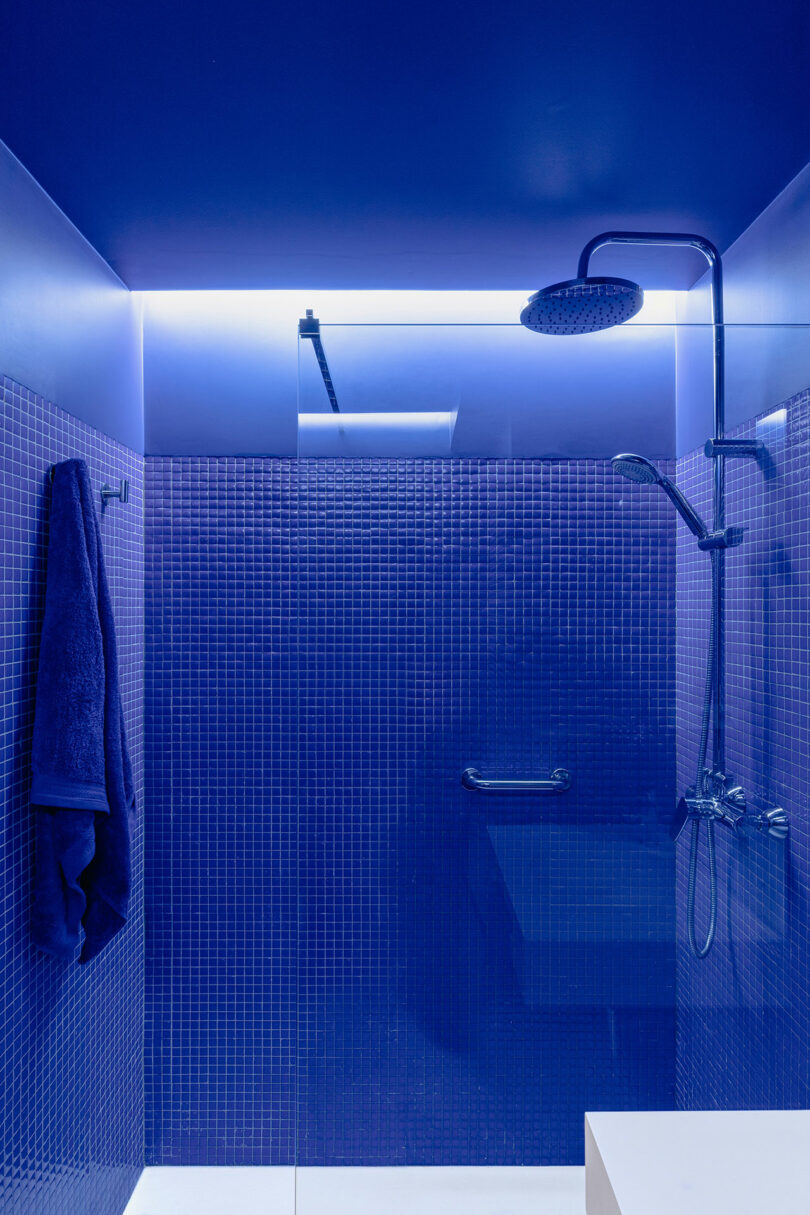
{"x":367,"y":1191}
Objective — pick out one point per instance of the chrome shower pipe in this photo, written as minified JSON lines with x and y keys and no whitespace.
{"x":712,"y":255}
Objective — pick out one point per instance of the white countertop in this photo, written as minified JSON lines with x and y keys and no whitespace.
{"x":717,"y":1162}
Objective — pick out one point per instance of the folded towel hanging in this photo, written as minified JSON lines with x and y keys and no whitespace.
{"x":81,"y":789}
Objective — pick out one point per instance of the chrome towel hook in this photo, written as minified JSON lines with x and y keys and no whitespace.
{"x":122,"y":493}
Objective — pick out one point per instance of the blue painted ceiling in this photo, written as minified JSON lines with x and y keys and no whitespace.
{"x":421,"y":145}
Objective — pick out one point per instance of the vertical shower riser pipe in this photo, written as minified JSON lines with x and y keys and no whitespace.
{"x":712,"y":256}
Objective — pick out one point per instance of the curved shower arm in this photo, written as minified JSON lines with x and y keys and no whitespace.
{"x":685,"y":239}
{"x":689,"y":240}
{"x":712,"y":255}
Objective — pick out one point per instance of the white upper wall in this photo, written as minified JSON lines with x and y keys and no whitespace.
{"x":69,"y":328}
{"x":224,"y":375}
{"x":767,"y":312}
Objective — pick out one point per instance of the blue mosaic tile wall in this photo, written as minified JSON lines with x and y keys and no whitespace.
{"x":352,"y":960}
{"x":744,"y":1012}
{"x":71,"y":1046}
{"x":221,"y":743}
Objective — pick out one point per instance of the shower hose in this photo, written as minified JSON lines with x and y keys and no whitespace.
{"x":700,"y":951}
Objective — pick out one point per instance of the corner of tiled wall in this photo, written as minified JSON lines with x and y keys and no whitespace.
{"x":71,"y":1053}
{"x":744,"y":1012}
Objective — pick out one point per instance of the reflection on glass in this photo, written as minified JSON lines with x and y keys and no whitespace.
{"x":370,"y":434}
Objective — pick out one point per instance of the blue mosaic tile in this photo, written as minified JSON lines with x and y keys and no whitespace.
{"x":221,"y":790}
{"x":744,"y":1012}
{"x":71,"y":1067}
{"x":352,"y":960}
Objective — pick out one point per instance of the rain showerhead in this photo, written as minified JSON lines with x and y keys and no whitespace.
{"x":642,"y":470}
{"x":582,"y":305}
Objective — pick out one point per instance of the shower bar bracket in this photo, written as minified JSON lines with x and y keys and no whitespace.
{"x":559,"y":781}
{"x":750,"y":448}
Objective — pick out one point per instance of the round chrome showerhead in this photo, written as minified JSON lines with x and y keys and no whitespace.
{"x":636,"y":468}
{"x":582,"y":305}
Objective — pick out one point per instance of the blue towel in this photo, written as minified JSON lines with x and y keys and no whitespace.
{"x":81,"y":789}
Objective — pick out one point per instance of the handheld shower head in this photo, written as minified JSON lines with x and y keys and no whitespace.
{"x":582,"y":305}
{"x":639,"y":469}
{"x":636,"y":468}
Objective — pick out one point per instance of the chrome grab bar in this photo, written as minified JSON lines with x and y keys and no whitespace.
{"x":558,"y":782}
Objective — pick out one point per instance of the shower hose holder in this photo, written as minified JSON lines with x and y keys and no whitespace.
{"x":724,"y":802}
{"x":726,"y":537}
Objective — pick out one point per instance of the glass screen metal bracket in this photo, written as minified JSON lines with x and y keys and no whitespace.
{"x":310,"y":327}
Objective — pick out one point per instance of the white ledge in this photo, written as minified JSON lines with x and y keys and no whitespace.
{"x":744,"y":1162}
